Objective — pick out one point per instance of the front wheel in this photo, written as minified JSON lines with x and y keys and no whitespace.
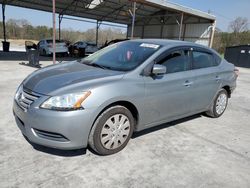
{"x":112,"y":130}
{"x":219,"y":104}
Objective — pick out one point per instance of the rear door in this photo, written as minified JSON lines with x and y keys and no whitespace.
{"x":41,"y":46}
{"x":207,"y":78}
{"x":169,"y":95}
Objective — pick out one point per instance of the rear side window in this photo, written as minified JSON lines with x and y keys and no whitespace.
{"x":203,"y":60}
{"x":176,"y":61}
{"x":217,"y":60}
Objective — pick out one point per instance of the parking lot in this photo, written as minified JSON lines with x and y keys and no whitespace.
{"x":193,"y":152}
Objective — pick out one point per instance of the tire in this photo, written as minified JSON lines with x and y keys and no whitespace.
{"x":219,"y":104}
{"x":106,"y":137}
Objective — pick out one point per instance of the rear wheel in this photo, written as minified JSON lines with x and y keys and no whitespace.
{"x":219,"y":105}
{"x":112,"y":130}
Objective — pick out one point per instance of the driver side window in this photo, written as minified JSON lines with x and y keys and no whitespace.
{"x":176,"y":61}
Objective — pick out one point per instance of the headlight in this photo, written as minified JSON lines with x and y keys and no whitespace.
{"x":72,"y":101}
{"x":18,"y":92}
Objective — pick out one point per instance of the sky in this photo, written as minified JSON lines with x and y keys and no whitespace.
{"x":224,"y":10}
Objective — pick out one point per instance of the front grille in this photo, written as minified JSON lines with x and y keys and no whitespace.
{"x":25,"y":99}
{"x":50,"y":135}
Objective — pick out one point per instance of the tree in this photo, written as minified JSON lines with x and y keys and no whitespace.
{"x":22,"y":29}
{"x":239,"y":25}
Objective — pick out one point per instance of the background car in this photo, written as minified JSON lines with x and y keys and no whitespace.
{"x":82,"y":48}
{"x":45,"y":47}
{"x":112,"y":42}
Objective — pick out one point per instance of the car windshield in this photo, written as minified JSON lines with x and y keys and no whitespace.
{"x":124,"y":56}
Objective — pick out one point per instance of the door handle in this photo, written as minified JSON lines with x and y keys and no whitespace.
{"x":187,"y":83}
{"x":217,"y":78}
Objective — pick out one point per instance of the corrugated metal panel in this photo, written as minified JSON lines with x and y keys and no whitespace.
{"x":197,"y":30}
{"x":171,"y":31}
{"x":138,"y":31}
{"x":152,"y":31}
{"x":198,"y":33}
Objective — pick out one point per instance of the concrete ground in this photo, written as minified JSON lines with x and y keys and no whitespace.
{"x":193,"y":152}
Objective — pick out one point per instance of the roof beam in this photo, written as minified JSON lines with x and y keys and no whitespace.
{"x":112,"y":11}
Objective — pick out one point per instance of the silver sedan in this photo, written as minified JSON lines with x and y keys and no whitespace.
{"x":99,"y":101}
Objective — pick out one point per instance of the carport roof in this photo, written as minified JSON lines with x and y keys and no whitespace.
{"x":116,"y":11}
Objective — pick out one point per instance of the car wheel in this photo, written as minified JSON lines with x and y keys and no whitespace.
{"x":219,"y":104}
{"x":112,"y":130}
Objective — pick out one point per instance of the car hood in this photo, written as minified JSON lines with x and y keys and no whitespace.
{"x":51,"y":78}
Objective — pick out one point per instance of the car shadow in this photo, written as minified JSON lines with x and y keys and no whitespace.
{"x":165,"y":125}
{"x":58,"y":152}
{"x":22,"y":56}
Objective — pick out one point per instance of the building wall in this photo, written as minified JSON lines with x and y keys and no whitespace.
{"x":198,"y":33}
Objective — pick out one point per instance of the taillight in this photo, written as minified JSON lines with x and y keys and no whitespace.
{"x":236,"y":71}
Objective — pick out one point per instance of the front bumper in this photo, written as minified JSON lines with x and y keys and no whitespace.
{"x":56,"y":129}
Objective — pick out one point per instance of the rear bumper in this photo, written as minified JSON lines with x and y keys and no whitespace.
{"x":62,"y":130}
{"x":58,"y":50}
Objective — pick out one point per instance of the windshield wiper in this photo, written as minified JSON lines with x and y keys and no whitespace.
{"x":94,"y":65}
{"x":97,"y":65}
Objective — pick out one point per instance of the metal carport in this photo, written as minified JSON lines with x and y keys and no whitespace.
{"x":144,"y":18}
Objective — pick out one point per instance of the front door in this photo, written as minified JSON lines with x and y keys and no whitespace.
{"x":169,"y":95}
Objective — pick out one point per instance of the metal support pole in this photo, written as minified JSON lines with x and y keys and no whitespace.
{"x":4,"y":30}
{"x":162,"y":27}
{"x":162,"y":20}
{"x":133,"y":20}
{"x":127,"y":32}
{"x":96,"y":36}
{"x":60,"y":17}
{"x":180,"y":31}
{"x":54,"y":31}
{"x":212,"y":35}
{"x":143,"y":28}
{"x":184,"y":32}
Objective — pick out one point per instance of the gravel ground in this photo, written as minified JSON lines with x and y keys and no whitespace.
{"x":193,"y":152}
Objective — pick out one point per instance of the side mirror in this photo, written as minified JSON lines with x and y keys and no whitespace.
{"x":159,"y":69}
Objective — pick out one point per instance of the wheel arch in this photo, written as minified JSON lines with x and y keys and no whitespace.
{"x":227,"y":88}
{"x":129,"y":105}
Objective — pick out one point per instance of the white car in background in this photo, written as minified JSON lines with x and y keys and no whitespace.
{"x":45,"y":47}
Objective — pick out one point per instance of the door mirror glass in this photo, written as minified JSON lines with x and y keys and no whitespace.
{"x":159,"y":69}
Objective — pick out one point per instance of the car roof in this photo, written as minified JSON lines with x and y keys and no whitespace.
{"x":170,"y":43}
